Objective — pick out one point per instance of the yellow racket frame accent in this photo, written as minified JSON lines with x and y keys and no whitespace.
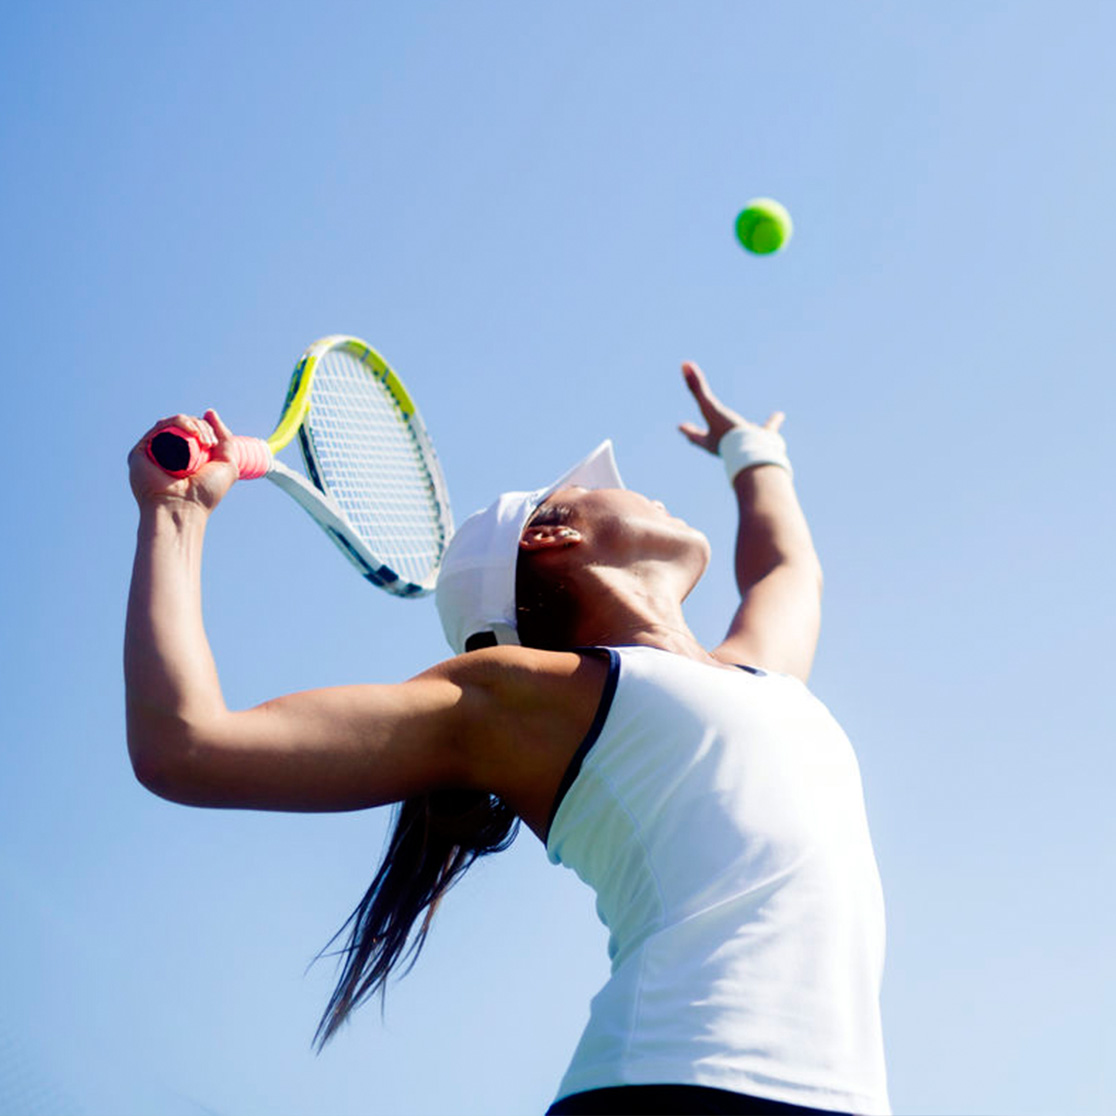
{"x":298,"y":403}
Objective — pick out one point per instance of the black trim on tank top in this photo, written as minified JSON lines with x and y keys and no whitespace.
{"x":573,"y":769}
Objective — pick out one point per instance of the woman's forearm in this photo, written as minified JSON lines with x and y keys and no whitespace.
{"x":773,"y":531}
{"x":171,"y":680}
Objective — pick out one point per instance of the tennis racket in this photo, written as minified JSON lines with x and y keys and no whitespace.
{"x":373,"y":482}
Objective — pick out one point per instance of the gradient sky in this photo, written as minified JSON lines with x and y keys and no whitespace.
{"x":528,"y":209}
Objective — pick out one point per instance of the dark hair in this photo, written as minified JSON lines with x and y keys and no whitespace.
{"x":438,"y":836}
{"x":545,"y":606}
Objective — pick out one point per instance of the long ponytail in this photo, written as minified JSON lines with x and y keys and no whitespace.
{"x":437,"y":836}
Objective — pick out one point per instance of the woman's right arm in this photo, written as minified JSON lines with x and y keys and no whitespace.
{"x":334,"y":749}
{"x":170,"y":678}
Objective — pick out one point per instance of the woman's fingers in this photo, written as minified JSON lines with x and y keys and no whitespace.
{"x":699,"y":388}
{"x":719,"y":418}
{"x":694,"y":433}
{"x":191,"y":424}
{"x":223,"y":437}
{"x":215,"y":421}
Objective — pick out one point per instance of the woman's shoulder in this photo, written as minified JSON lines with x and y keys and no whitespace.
{"x":527,"y":713}
{"x":517,"y":667}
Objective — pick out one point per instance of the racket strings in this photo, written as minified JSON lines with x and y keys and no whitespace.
{"x":376,"y":465}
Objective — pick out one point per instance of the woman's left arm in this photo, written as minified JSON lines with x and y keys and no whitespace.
{"x":777,"y":569}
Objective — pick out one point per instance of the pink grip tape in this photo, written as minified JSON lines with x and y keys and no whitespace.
{"x":179,"y":453}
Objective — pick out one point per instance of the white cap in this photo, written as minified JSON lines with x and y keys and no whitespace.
{"x":476,"y":586}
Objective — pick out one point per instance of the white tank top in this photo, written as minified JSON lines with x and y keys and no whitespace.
{"x":720,"y":819}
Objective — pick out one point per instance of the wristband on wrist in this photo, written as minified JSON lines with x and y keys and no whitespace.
{"x":744,"y":447}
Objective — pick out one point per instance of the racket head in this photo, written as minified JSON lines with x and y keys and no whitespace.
{"x":366,"y":448}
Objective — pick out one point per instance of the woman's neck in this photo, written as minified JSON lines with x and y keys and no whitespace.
{"x":638,"y":612}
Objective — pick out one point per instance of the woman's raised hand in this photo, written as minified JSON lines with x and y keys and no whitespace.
{"x":719,"y":418}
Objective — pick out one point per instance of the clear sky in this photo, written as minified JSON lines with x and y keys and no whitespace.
{"x":528,"y":209}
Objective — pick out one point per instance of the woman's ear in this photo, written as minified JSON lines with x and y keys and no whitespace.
{"x":549,"y":537}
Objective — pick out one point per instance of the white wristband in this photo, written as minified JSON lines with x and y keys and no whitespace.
{"x":743,"y":447}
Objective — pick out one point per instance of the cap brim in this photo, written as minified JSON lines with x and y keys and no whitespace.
{"x":595,"y":470}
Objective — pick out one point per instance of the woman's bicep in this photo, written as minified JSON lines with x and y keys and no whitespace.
{"x":345,"y":748}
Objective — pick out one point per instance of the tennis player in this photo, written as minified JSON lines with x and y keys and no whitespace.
{"x":708,"y":798}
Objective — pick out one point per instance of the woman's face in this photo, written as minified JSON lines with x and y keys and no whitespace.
{"x":626,"y":526}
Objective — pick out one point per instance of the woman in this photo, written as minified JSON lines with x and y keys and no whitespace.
{"x":709,"y":799}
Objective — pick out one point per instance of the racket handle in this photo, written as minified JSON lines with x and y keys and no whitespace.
{"x":179,"y":453}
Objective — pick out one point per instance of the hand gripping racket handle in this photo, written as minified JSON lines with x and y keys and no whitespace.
{"x":179,"y":453}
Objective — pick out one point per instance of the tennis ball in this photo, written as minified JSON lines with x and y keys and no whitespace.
{"x":763,"y":226}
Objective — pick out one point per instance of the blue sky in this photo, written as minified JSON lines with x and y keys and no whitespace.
{"x":528,"y":209}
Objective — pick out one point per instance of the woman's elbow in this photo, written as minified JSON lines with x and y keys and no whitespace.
{"x":156,"y":773}
{"x":158,"y":756}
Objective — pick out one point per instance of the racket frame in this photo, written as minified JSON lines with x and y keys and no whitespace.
{"x":313,"y":494}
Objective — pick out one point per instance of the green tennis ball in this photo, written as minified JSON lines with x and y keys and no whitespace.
{"x":763,"y":226}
